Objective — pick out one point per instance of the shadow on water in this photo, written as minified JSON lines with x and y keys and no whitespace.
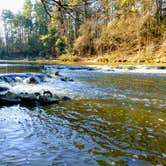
{"x":113,"y":119}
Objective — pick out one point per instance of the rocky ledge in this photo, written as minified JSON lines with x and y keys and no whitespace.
{"x":8,"y":97}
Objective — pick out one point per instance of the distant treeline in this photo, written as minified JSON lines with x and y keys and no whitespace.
{"x":84,"y":27}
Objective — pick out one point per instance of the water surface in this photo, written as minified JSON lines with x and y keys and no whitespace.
{"x":114,"y":118}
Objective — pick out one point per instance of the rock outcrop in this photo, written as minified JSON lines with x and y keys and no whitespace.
{"x":30,"y":99}
{"x":41,"y":97}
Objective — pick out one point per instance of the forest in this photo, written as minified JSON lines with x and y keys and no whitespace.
{"x":127,"y":29}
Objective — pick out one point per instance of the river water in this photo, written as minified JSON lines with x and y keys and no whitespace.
{"x":114,"y":118}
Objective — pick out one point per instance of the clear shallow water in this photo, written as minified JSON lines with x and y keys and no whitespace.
{"x":114,"y":119}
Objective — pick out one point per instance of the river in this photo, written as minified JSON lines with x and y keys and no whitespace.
{"x":114,"y":118}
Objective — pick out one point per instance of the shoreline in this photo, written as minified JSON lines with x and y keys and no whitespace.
{"x":144,"y":68}
{"x":82,"y":63}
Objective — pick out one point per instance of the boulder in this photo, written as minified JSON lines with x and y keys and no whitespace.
{"x":57,"y":73}
{"x":4,"y":101}
{"x":9,"y":99}
{"x":45,"y":100}
{"x":48,"y":98}
{"x":28,"y":99}
{"x":161,"y":67}
{"x":32,"y":80}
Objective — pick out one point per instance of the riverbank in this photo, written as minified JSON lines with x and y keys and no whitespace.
{"x":88,"y":61}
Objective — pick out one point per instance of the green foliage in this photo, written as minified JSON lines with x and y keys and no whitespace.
{"x":61,"y":45}
{"x":27,"y":9}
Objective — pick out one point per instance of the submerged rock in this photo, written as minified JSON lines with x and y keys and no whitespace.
{"x":161,"y":67}
{"x":57,"y":73}
{"x":66,"y":98}
{"x":65,"y":79}
{"x":8,"y":79}
{"x":132,"y":68}
{"x":32,"y":80}
{"x":80,"y":68}
{"x":19,"y":77}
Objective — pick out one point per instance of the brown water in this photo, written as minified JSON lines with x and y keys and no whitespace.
{"x":113,"y":119}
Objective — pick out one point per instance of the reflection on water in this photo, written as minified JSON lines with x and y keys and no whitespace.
{"x":19,"y":68}
{"x":114,"y":119}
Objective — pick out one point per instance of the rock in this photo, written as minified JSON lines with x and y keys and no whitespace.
{"x":66,"y":98}
{"x":37,"y":94}
{"x":8,"y":79}
{"x":27,"y":97}
{"x":60,"y":67}
{"x":48,"y":98}
{"x":66,"y":79}
{"x":30,"y":99}
{"x":2,"y":89}
{"x":57,"y":73}
{"x":91,"y":69}
{"x":43,"y":100}
{"x":39,"y":99}
{"x":32,"y":80}
{"x":47,"y":93}
{"x":131,"y":68}
{"x":111,"y":70}
{"x":161,"y":67}
{"x":4,"y":101}
{"x":9,"y":99}
{"x":22,"y":75}
{"x":79,"y":68}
